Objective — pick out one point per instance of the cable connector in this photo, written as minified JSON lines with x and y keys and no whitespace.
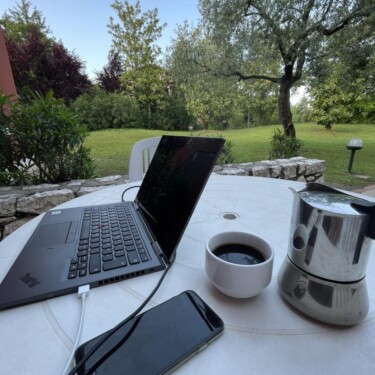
{"x":83,"y":291}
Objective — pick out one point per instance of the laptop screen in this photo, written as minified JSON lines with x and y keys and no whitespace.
{"x":173,"y":183}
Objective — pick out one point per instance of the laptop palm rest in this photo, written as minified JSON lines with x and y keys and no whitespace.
{"x":52,"y":235}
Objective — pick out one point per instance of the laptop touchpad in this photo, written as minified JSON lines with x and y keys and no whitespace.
{"x":51,"y":234}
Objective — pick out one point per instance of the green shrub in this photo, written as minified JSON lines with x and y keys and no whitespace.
{"x":364,"y":111}
{"x":176,"y":115}
{"x":43,"y":135}
{"x":173,"y":115}
{"x":284,"y":147}
{"x":102,"y":110}
{"x":226,"y":155}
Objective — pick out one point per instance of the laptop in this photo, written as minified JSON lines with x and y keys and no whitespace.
{"x":101,"y":244}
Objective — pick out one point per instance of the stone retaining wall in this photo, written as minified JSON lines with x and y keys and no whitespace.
{"x":20,"y":204}
{"x":296,"y":169}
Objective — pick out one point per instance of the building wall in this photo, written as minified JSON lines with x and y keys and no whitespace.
{"x":7,"y":85}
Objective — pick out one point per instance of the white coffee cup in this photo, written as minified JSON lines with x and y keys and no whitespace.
{"x":252,"y":271}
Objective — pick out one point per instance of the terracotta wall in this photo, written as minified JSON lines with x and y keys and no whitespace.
{"x":7,"y":85}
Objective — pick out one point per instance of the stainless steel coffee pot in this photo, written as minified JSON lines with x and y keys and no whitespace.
{"x":331,"y":237}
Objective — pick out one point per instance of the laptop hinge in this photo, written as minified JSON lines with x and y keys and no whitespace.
{"x":160,"y":254}
{"x":154,"y":243}
{"x":157,"y":249}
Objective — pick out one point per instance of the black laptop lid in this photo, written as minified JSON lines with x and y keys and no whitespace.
{"x":173,"y":183}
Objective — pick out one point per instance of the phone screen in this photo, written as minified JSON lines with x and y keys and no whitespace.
{"x":158,"y":340}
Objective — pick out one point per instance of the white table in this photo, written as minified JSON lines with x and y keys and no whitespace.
{"x":263,"y":335}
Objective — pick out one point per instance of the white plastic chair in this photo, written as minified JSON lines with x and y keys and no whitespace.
{"x":141,"y":156}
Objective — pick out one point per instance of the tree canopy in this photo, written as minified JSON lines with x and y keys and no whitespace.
{"x":109,"y":77}
{"x":39,"y":63}
{"x":250,"y":35}
{"x":341,"y":82}
{"x":134,"y":37}
{"x":236,"y":67}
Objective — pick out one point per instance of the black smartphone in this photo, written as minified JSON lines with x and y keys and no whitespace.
{"x":158,"y":340}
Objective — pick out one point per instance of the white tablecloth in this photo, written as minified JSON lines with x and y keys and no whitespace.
{"x":262,"y":335}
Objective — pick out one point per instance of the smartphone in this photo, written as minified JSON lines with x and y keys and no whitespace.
{"x":158,"y":340}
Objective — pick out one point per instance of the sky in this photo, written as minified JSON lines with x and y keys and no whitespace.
{"x":81,"y":25}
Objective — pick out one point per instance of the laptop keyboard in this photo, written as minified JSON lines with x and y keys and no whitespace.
{"x":109,"y":239}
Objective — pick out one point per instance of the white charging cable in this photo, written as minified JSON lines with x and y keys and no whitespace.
{"x":83,"y":292}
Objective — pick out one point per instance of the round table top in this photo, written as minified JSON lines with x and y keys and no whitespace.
{"x":262,"y":335}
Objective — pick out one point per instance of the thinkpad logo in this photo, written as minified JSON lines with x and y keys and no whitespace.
{"x":29,"y":280}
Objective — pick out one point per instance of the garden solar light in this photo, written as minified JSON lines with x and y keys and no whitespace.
{"x":353,"y":145}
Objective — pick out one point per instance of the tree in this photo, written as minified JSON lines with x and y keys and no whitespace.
{"x":65,"y":73}
{"x":332,"y":103}
{"x":109,"y":77}
{"x":39,"y":63}
{"x":19,"y":20}
{"x":342,"y":82}
{"x":246,"y":31}
{"x":149,"y":87}
{"x":210,"y":101}
{"x":216,"y":100}
{"x":134,"y":39}
{"x":258,"y":101}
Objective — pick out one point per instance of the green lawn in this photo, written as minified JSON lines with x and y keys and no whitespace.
{"x":111,"y":148}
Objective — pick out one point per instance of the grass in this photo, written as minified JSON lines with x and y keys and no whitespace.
{"x":111,"y":148}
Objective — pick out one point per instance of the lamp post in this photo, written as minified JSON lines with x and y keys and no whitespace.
{"x":353,"y":145}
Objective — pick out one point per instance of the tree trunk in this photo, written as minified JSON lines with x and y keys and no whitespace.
{"x":285,"y":114}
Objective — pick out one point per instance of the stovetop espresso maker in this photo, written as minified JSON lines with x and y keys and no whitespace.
{"x":331,"y":237}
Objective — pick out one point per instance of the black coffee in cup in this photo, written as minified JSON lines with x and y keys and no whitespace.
{"x":239,"y":254}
